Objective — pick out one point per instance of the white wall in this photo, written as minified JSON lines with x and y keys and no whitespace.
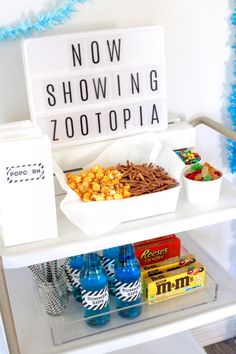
{"x":196,"y":48}
{"x":197,"y":51}
{"x":197,"y":55}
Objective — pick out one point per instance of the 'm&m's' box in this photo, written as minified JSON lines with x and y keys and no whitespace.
{"x":174,"y":283}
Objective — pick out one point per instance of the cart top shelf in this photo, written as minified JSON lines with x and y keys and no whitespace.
{"x":72,"y":241}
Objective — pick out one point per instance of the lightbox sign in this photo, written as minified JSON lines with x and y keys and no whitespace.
{"x":85,"y":87}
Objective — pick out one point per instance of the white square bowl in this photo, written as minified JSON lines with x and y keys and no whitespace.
{"x":96,"y":218}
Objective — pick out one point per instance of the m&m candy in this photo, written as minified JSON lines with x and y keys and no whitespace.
{"x":189,"y":157}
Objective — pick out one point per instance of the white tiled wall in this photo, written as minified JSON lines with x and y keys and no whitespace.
{"x":197,"y":35}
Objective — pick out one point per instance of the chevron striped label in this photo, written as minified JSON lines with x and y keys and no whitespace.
{"x":128,"y":291}
{"x":108,"y":264}
{"x":24,"y":173}
{"x":75,"y":278}
{"x":95,"y":300}
{"x":68,"y":270}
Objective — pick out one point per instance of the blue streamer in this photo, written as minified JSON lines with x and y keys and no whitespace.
{"x":41,"y":23}
{"x":231,"y":145}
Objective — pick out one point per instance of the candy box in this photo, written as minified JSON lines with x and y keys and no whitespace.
{"x":98,"y":217}
{"x":166,"y":266}
{"x":157,"y":250}
{"x":161,"y":238}
{"x":200,"y":188}
{"x":171,"y":263}
{"x":188,"y":156}
{"x":174,"y":283}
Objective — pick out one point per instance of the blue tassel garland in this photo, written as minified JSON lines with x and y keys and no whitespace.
{"x":41,"y":23}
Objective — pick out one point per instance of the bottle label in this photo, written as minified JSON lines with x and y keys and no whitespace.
{"x":68,"y":277}
{"x":95,"y":300}
{"x":75,"y":277}
{"x":128,"y":291}
{"x":108,"y":264}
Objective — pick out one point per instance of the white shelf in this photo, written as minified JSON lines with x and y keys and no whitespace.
{"x":34,"y":333}
{"x":184,"y":341}
{"x":72,"y":241}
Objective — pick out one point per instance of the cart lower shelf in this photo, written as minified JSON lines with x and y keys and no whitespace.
{"x":41,"y":334}
{"x":184,"y":341}
{"x":72,"y":325}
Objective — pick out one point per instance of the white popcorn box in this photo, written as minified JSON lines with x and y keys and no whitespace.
{"x":27,"y":202}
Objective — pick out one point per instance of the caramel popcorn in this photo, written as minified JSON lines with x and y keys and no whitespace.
{"x":98,"y":184}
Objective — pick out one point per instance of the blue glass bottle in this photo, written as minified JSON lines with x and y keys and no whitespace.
{"x":94,"y":290}
{"x":75,"y":264}
{"x":128,"y":283}
{"x":109,"y":256}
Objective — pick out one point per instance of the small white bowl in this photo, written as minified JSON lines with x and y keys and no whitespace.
{"x":202,"y":192}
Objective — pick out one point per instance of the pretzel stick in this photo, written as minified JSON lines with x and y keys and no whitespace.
{"x":145,"y":178}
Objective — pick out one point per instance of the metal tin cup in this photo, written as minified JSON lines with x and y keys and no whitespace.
{"x":54,"y":295}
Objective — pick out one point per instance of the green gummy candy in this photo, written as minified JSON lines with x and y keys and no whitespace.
{"x":207,"y":178}
{"x":196,"y":167}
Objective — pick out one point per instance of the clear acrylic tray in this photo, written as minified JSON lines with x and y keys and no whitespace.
{"x":72,"y":325}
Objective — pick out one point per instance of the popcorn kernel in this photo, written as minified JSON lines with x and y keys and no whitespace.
{"x":88,"y":179}
{"x":108,"y":197}
{"x":99,"y":174}
{"x":98,"y":184}
{"x":83,"y":174}
{"x":86,"y":197}
{"x":96,"y":187}
{"x":115,"y":181}
{"x":126,"y":194}
{"x":96,"y":168}
{"x":91,"y":175}
{"x":84,"y":187}
{"x":99,"y":197}
{"x":117,"y":196}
